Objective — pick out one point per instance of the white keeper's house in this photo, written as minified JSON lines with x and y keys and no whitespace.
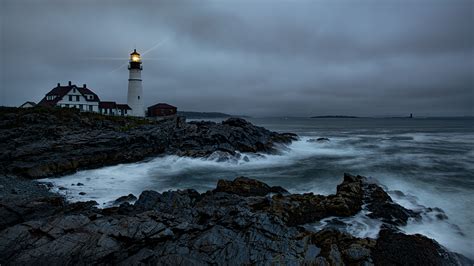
{"x":82,"y":98}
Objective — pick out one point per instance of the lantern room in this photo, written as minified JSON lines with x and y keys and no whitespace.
{"x":135,"y":60}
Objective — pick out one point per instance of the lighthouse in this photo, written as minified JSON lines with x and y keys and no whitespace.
{"x":135,"y":89}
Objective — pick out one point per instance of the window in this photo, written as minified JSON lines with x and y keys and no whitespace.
{"x":125,"y":111}
{"x":74,"y":90}
{"x":105,"y":111}
{"x":139,"y":97}
{"x":80,"y":107}
{"x":70,"y":98}
{"x":77,"y":98}
{"x":90,"y":108}
{"x":67,"y":105}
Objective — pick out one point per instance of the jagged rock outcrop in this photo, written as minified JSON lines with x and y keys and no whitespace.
{"x":246,"y":187}
{"x":234,"y":134}
{"x":240,"y":222}
{"x":42,"y":142}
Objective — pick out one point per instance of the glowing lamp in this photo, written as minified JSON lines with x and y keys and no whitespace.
{"x":135,"y":57}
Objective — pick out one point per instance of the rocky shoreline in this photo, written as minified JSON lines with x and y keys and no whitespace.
{"x":45,"y":142}
{"x":243,"y":221}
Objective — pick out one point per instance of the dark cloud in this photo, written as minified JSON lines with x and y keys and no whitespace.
{"x":296,"y":58}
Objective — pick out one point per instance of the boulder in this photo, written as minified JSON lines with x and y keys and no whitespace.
{"x":381,"y":206}
{"x":129,"y":198}
{"x":396,"y":248}
{"x":247,"y":187}
{"x":298,"y":209}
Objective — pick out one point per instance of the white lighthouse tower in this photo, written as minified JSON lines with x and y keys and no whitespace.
{"x":135,"y":89}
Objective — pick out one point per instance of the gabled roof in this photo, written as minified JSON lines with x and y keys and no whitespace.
{"x":162,"y":106}
{"x":61,"y":91}
{"x":25,"y":103}
{"x":50,"y":103}
{"x":107,"y":105}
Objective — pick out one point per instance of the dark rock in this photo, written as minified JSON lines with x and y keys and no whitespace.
{"x":79,"y":184}
{"x":298,"y":209}
{"x":82,"y":193}
{"x":395,"y":248}
{"x":381,"y":206}
{"x":247,"y":187}
{"x":318,"y":140}
{"x":356,"y":252}
{"x":129,"y":198}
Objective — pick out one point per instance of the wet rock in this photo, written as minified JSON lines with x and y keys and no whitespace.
{"x":222,"y":156}
{"x":298,"y":209}
{"x":395,"y":248}
{"x":82,"y":193}
{"x":79,"y":184}
{"x":356,"y":252}
{"x":318,"y":140}
{"x":129,"y":198}
{"x":247,"y":187}
{"x":381,"y":206}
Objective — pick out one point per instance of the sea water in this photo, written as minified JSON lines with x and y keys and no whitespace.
{"x":420,"y":162}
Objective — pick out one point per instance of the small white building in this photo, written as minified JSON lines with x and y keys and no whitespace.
{"x":82,"y":98}
{"x":27,"y":105}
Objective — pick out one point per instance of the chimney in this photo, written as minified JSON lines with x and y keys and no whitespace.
{"x":69,"y":83}
{"x":59,"y":84}
{"x":85,"y":86}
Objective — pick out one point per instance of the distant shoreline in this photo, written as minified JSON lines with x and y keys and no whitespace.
{"x":334,"y":116}
{"x":201,"y":115}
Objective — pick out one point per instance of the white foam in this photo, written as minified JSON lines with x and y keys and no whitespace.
{"x":457,"y":232}
{"x":359,"y":225}
{"x":108,"y":183}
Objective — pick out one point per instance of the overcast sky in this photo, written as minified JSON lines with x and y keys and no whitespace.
{"x":260,"y":58}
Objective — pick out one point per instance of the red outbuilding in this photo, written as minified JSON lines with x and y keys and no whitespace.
{"x":162,"y":109}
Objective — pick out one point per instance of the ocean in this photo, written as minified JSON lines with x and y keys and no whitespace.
{"x":421,"y":162}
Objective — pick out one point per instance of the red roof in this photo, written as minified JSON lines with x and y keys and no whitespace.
{"x":162,"y":106}
{"x":60,"y":91}
{"x":123,"y":107}
{"x":107,"y":105}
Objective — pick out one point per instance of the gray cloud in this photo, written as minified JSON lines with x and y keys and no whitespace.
{"x":295,"y":58}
